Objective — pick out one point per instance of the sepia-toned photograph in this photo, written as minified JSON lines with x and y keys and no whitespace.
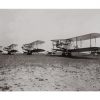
{"x":49,"y":49}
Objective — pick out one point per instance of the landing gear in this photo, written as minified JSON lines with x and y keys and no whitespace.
{"x":29,"y":53}
{"x":9,"y":53}
{"x":94,"y":53}
{"x":68,"y":54}
{"x":63,"y":54}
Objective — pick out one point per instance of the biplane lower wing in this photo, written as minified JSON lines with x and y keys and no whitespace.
{"x":29,"y":52}
{"x":84,"y":49}
{"x":12,"y":52}
{"x":38,"y":50}
{"x":80,"y":49}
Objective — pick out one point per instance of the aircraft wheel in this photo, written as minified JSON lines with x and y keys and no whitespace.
{"x":69,"y":54}
{"x":64,"y":54}
{"x":9,"y":53}
{"x":29,"y":53}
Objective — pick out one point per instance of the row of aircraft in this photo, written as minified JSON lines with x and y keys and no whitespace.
{"x":29,"y":48}
{"x":65,"y":46}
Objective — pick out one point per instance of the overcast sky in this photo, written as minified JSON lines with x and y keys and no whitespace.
{"x":25,"y":26}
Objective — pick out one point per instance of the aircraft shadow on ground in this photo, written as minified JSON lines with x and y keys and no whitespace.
{"x":82,"y":57}
{"x":76,"y":57}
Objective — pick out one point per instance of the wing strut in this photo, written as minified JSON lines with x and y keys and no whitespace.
{"x":53,"y":45}
{"x":76,"y":42}
{"x":95,"y":41}
{"x":90,"y":40}
{"x":81,"y":43}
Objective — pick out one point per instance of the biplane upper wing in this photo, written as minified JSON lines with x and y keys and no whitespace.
{"x":10,"y":47}
{"x":38,"y":42}
{"x":30,"y":46}
{"x":82,"y":37}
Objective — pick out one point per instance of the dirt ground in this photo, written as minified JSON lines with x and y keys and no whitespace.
{"x":49,"y":73}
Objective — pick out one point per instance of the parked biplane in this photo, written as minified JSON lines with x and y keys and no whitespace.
{"x":71,"y":45}
{"x":11,"y":49}
{"x":31,"y":48}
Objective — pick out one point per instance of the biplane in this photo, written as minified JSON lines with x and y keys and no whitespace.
{"x":33,"y":47}
{"x":71,"y":45}
{"x":11,"y":49}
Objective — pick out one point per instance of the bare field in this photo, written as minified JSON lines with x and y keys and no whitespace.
{"x":49,"y":73}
